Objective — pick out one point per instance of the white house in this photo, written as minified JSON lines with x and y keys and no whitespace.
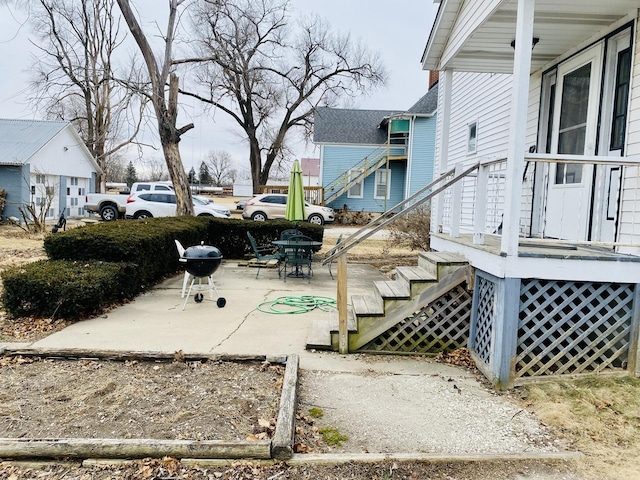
{"x":539,"y":120}
{"x":41,"y":160}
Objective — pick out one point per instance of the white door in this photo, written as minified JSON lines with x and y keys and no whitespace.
{"x":574,"y":130}
{"x":615,"y":103}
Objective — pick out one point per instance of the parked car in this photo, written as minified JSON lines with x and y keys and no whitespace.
{"x":241,"y":203}
{"x":163,"y":204}
{"x":111,"y":206}
{"x":269,"y":206}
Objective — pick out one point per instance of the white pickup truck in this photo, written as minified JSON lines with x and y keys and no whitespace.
{"x":111,"y":206}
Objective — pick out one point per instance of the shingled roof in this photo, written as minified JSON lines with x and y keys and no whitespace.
{"x":361,"y":127}
{"x":342,"y":125}
{"x":427,"y":104}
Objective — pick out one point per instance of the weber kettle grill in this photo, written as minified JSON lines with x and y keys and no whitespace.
{"x":201,"y":261}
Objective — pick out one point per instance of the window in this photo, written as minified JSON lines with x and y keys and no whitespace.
{"x":163,"y":188}
{"x":472,"y":137}
{"x":356,"y":190}
{"x":74,"y":201}
{"x":621,"y":100}
{"x":73,"y":181}
{"x":68,"y":191}
{"x":40,"y":179}
{"x":383,"y":183}
{"x":81,"y":192}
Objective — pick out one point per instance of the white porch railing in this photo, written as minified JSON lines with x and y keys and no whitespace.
{"x":475,"y":204}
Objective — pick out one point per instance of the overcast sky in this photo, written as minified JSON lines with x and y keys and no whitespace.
{"x":398,"y":30}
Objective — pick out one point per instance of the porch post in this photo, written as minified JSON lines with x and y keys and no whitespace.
{"x":444,"y":115}
{"x":516,"y":149}
{"x":480,"y":215}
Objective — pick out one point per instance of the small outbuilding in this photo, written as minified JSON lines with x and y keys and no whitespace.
{"x":45,"y":164}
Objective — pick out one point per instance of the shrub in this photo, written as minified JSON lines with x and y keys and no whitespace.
{"x":412,"y":230}
{"x":67,"y":289}
{"x":230,"y":236}
{"x":149,"y":243}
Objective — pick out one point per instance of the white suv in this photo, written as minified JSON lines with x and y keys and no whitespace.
{"x":148,"y":204}
{"x":269,"y":206}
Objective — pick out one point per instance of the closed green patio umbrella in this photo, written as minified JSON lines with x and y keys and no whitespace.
{"x":295,"y":199}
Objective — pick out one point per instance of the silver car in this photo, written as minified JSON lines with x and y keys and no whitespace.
{"x":269,"y":206}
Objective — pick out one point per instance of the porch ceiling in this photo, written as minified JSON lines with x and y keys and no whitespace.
{"x":560,"y":25}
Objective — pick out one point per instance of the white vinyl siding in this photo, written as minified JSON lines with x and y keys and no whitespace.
{"x":629,"y":225}
{"x":483,"y":98}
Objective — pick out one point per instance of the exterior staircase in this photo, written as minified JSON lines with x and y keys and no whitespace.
{"x":426,"y":309}
{"x":348,"y":179}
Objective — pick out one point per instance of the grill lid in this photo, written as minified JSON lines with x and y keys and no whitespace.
{"x":202,"y":252}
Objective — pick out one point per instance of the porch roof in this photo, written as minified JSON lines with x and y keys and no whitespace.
{"x":476,"y":35}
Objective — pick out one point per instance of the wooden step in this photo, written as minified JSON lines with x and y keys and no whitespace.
{"x":436,"y":262}
{"x":416,"y":278}
{"x":352,"y":323}
{"x":392,"y":289}
{"x":369,"y":305}
{"x":319,"y":335}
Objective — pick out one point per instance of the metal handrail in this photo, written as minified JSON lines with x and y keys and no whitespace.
{"x":354,"y":239}
{"x":341,"y":181}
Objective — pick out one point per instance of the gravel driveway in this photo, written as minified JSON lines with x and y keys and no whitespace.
{"x":430,"y":408}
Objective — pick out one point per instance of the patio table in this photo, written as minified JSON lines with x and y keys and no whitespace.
{"x":297,"y":253}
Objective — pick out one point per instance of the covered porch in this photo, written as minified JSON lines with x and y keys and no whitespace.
{"x":545,"y":209}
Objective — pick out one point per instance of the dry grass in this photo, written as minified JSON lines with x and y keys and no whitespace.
{"x":599,"y":415}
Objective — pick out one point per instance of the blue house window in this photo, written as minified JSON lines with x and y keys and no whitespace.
{"x":383,"y":182}
{"x":356,"y":190}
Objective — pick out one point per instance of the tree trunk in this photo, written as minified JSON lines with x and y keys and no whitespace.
{"x":256,"y":164}
{"x":184,"y":202}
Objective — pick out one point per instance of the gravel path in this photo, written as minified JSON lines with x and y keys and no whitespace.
{"x":386,"y":413}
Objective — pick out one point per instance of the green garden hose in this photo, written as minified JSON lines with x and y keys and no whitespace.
{"x":297,"y":304}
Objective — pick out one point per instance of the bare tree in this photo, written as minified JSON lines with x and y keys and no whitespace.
{"x":269,"y":76}
{"x":156,"y":169}
{"x":165,"y":103}
{"x":221,"y":168}
{"x":114,"y":168}
{"x":74,"y":78}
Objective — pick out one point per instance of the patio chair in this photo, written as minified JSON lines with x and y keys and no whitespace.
{"x":290,"y":232}
{"x":297,"y":258}
{"x":262,"y":255}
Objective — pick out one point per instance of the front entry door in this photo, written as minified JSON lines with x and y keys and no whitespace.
{"x":574,"y":127}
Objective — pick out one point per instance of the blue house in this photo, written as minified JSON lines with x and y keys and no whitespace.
{"x":370,"y":160}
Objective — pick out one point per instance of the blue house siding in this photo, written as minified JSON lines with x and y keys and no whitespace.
{"x":338,"y":159}
{"x":15,"y":180}
{"x":422,"y":153}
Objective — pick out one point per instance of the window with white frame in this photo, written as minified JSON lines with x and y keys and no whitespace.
{"x":74,"y":201}
{"x":383,"y":183}
{"x":472,"y":137}
{"x":356,"y":191}
{"x":73,"y":180}
{"x":40,"y":179}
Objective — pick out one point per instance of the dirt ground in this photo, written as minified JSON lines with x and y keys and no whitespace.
{"x":104,"y":399}
{"x":175,"y":401}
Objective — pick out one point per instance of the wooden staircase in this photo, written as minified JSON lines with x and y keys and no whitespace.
{"x":373,"y":319}
{"x":366,"y":166}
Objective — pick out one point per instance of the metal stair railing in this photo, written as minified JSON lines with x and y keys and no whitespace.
{"x":342,"y":183}
{"x":391,"y":214}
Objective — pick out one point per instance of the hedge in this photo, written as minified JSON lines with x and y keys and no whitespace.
{"x":96,"y":266}
{"x":148,"y":243}
{"x":67,"y":289}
